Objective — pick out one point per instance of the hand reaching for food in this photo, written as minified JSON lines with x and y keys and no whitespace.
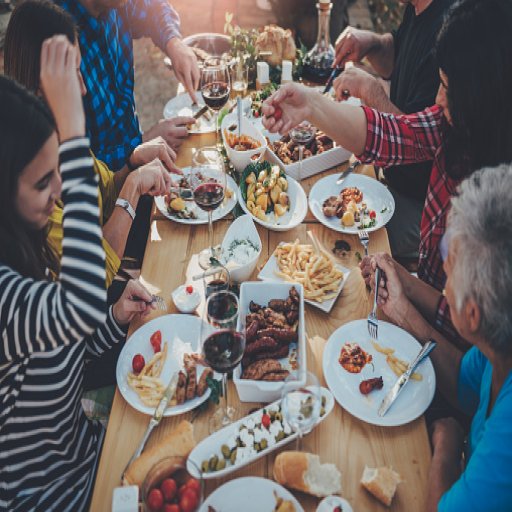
{"x":125,"y":309}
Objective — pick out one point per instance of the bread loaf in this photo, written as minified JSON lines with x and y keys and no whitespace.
{"x":304,"y":472}
{"x":381,"y":482}
{"x":176,"y":444}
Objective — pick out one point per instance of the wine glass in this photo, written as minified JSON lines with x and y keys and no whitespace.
{"x":301,"y":402}
{"x":302,"y":134}
{"x":215,"y":87}
{"x":239,"y":78}
{"x":208,"y":184}
{"x":215,"y":279}
{"x":222,"y":347}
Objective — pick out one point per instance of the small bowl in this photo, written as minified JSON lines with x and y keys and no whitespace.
{"x":189,"y":307}
{"x":170,"y":467}
{"x":241,"y":159}
{"x":243,"y":228}
{"x":331,"y":502}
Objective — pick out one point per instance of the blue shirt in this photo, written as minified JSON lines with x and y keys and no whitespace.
{"x":106,"y":44}
{"x":486,"y":483}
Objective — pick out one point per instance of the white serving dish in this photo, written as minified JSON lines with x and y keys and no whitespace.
{"x":261,"y":293}
{"x":292,"y":218}
{"x":268,"y":273}
{"x":328,"y":504}
{"x":241,"y":229}
{"x":241,"y":159}
{"x":188,"y":308}
{"x":212,"y":444}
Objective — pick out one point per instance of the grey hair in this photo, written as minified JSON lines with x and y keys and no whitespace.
{"x":480,"y":221}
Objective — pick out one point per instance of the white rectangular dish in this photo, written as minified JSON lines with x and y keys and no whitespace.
{"x":261,"y":293}
{"x":212,"y":445}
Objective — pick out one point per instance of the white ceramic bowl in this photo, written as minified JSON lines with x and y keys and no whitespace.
{"x":186,"y":308}
{"x":242,"y":229}
{"x":241,"y":159}
{"x":331,"y":502}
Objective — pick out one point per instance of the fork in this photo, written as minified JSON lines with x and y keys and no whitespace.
{"x":155,"y":299}
{"x":373,"y":322}
{"x":364,"y":238}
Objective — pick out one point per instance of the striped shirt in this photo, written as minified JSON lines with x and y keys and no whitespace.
{"x":48,"y":448}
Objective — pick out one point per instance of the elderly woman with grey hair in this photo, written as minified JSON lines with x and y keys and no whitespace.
{"x":477,"y":250}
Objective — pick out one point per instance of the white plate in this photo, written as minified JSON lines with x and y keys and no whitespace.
{"x":412,"y":401}
{"x":375,"y":195}
{"x":212,"y":444}
{"x":202,"y":216}
{"x":250,"y":494}
{"x":182,"y":333}
{"x":181,"y":105}
{"x":268,"y":273}
{"x":328,"y":504}
{"x":293,"y":217}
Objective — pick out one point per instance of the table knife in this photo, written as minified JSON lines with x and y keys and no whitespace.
{"x":348,"y":171}
{"x":200,"y":112}
{"x":393,"y":393}
{"x":157,"y":416}
{"x":334,"y":73}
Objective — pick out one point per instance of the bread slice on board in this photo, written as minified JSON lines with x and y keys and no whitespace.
{"x":381,"y":482}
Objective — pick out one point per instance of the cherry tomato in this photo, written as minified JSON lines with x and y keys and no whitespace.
{"x":189,"y":501}
{"x":182,"y":490}
{"x":194,"y":485}
{"x":372,"y":214}
{"x":256,"y":114}
{"x":337,"y":509}
{"x":189,"y":289}
{"x":138,"y":363}
{"x":278,"y":113}
{"x":265,"y":420}
{"x":168,"y":488}
{"x":171,"y":508}
{"x":156,"y":341}
{"x":155,"y":499}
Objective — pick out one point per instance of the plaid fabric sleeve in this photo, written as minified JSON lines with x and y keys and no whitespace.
{"x":397,"y":140}
{"x":153,"y":18}
{"x":443,"y":323}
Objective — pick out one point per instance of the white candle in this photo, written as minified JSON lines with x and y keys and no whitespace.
{"x":286,"y":73}
{"x":262,"y":71}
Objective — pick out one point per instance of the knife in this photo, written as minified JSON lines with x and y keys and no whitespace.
{"x":334,"y":73}
{"x":393,"y":393}
{"x":157,"y":416}
{"x":200,"y":112}
{"x":348,"y":171}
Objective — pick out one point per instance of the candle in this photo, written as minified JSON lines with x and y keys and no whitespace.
{"x":262,"y":74}
{"x":286,"y":73}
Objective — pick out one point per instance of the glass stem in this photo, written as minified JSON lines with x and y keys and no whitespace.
{"x":218,"y":141}
{"x":225,"y":392}
{"x":299,"y":441}
{"x":210,"y":233}
{"x":301,"y":154}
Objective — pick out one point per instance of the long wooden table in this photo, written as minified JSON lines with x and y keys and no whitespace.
{"x":170,"y":260}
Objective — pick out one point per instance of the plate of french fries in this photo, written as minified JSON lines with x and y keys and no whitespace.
{"x":180,"y":335}
{"x":390,"y":355}
{"x":310,"y":265}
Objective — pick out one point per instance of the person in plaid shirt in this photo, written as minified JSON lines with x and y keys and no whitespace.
{"x":470,"y":127}
{"x":106,"y":32}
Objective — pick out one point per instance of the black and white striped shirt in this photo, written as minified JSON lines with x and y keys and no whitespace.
{"x":48,"y":448}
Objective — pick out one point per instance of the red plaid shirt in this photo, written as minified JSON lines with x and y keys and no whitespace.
{"x":395,"y":140}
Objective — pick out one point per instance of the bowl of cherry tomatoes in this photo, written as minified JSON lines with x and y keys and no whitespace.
{"x":168,"y":487}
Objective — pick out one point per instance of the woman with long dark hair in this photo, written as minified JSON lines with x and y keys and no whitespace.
{"x":48,"y":448}
{"x":469,"y":127}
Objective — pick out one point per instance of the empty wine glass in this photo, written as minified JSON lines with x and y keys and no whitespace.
{"x":301,"y":402}
{"x":302,"y":134}
{"x":208,"y":184}
{"x":222,"y":347}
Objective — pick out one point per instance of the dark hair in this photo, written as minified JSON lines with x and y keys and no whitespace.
{"x":26,"y":124}
{"x":31,"y":23}
{"x":474,"y":50}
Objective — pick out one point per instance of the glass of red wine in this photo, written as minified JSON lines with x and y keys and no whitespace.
{"x":215,"y":279}
{"x":208,"y":184}
{"x":215,"y":86}
{"x":223,"y":347}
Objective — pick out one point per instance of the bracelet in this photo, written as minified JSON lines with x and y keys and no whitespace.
{"x":126,"y":206}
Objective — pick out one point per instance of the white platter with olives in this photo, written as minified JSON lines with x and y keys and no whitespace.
{"x":247,"y":440}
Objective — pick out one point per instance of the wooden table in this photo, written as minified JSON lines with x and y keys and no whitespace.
{"x":170,"y":260}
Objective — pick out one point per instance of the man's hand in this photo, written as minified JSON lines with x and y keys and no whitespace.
{"x":358,"y":83}
{"x":286,"y":108}
{"x":174,"y":131}
{"x":151,"y":179}
{"x":154,"y":148}
{"x":60,"y":86}
{"x":184,"y":63}
{"x":353,"y":44}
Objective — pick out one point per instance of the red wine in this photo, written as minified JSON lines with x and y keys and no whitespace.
{"x":209,"y":196}
{"x":223,"y":350}
{"x":217,"y":285}
{"x":215,"y":94}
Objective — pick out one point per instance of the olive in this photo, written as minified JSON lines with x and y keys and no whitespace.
{"x":221,"y":464}
{"x":279,"y":416}
{"x":257,"y":447}
{"x":263,"y":444}
{"x":205,"y":466}
{"x":280,"y":436}
{"x":212,"y":463}
{"x":225,"y":451}
{"x":233,"y":456}
{"x":272,"y":415}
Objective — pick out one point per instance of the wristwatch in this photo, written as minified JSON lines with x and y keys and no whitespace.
{"x":125,"y":205}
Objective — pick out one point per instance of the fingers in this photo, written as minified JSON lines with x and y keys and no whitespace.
{"x":182,"y":120}
{"x":135,"y":288}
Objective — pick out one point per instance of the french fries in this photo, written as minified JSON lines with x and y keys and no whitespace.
{"x":310,"y":266}
{"x":398,"y":366}
{"x":147,"y":384}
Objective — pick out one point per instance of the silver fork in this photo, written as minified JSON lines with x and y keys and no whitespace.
{"x":364,"y":238}
{"x":373,"y":322}
{"x":155,"y":299}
